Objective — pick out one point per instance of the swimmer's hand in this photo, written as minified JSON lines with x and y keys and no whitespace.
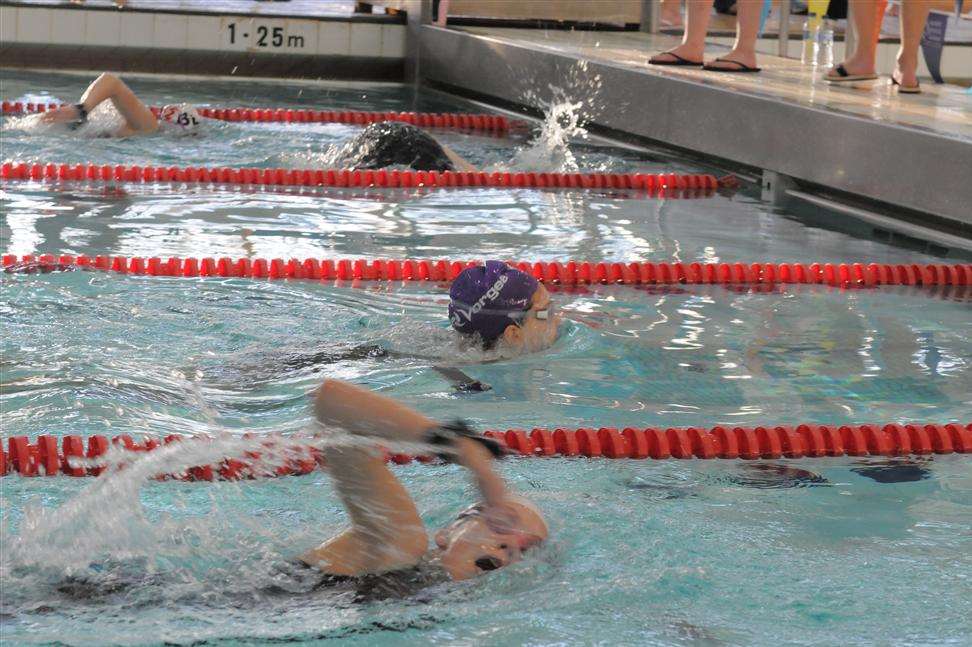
{"x":474,"y":386}
{"x":62,"y":115}
{"x":475,"y":457}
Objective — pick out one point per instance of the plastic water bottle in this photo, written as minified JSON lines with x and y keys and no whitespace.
{"x":811,"y":30}
{"x":825,"y":44}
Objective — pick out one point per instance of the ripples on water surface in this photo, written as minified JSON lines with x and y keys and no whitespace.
{"x":834,"y":552}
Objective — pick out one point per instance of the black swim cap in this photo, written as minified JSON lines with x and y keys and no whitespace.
{"x":391,"y":143}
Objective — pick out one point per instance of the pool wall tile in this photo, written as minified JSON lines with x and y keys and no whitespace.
{"x":8,"y":24}
{"x":171,"y":31}
{"x":303,"y":29}
{"x":68,"y":27}
{"x":203,"y":32}
{"x":102,"y":28}
{"x":137,"y":29}
{"x":34,"y":25}
{"x":365,"y":40}
{"x":392,"y":41}
{"x":334,"y":38}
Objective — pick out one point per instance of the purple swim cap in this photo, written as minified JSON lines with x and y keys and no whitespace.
{"x":487,"y":298}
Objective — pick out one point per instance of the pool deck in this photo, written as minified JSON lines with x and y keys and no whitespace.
{"x":909,"y":153}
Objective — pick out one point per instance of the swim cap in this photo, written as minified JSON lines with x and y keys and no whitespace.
{"x":488,"y":298}
{"x":179,"y":119}
{"x":392,"y":143}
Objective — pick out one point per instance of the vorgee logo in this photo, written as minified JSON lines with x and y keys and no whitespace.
{"x":467,"y":313}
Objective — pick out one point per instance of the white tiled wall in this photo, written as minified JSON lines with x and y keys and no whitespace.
{"x":365,"y":39}
{"x":334,"y":38}
{"x":102,"y":28}
{"x":197,"y":32}
{"x":34,"y":25}
{"x":68,"y":27}
{"x":171,"y":31}
{"x":137,"y":30}
{"x":8,"y":24}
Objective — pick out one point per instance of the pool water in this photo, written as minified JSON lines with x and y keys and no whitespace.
{"x":824,"y":552}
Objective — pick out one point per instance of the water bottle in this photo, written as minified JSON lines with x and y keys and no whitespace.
{"x":811,"y":30}
{"x":825,"y":44}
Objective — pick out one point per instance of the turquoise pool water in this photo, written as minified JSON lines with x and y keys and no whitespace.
{"x":822,"y":552}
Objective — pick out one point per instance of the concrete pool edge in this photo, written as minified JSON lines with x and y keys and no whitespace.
{"x":905,"y":165}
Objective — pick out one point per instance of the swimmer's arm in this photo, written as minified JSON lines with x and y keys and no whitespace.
{"x":109,"y":87}
{"x":363,"y":412}
{"x":477,"y":459}
{"x":138,"y":118}
{"x":458,"y":162}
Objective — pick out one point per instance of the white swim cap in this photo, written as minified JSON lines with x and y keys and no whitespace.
{"x":179,"y":119}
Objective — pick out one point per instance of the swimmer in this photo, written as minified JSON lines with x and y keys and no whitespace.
{"x":392,"y":143}
{"x":492,"y":306}
{"x":180,"y":120}
{"x":386,"y":549}
{"x":499,"y":306}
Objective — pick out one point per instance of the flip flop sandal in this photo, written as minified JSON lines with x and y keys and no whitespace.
{"x":679,"y":61}
{"x":846,"y":77}
{"x":741,"y":69}
{"x":906,"y":89}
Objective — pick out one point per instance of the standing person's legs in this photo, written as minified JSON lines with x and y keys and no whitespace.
{"x":697,"y":13}
{"x":747,"y":30}
{"x":671,"y":13}
{"x":914,"y":14}
{"x":866,"y":16}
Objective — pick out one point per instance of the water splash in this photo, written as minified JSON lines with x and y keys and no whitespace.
{"x":568,"y":109}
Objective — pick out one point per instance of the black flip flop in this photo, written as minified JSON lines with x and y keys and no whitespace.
{"x":742,"y":69}
{"x":905,"y":89}
{"x":679,"y":61}
{"x":843,"y":76}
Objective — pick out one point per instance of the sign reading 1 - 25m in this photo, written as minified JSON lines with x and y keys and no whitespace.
{"x":263,"y":36}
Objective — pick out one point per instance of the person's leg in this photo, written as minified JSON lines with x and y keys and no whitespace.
{"x":866,"y":17}
{"x":914,"y":14}
{"x":747,"y":30}
{"x":442,"y":14}
{"x":697,"y":13}
{"x":671,"y":13}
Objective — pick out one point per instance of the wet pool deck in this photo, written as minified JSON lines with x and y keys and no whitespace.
{"x":911,"y":152}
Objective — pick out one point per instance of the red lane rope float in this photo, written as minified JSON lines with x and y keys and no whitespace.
{"x":645,"y":182}
{"x":568,"y":273}
{"x":464,"y":121}
{"x":45,"y":458}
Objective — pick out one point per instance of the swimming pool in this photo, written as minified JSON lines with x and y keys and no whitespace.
{"x":825,"y":551}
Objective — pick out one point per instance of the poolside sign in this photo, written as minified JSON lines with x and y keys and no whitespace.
{"x":932,"y":43}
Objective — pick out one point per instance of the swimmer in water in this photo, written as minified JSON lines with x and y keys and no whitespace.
{"x":179,"y":120}
{"x":492,"y":306}
{"x":392,"y":143}
{"x":386,"y":549}
{"x":498,"y":305}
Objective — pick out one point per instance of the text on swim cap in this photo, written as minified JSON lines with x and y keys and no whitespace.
{"x":490,"y":294}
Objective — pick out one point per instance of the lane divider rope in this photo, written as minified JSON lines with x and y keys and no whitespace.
{"x":652,"y":184}
{"x":563,"y":273}
{"x":463,"y":121}
{"x":45,"y":458}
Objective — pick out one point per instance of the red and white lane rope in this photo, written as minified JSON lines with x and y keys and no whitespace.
{"x":44,"y":457}
{"x":650,"y":184}
{"x":563,"y":273}
{"x":462,"y":121}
